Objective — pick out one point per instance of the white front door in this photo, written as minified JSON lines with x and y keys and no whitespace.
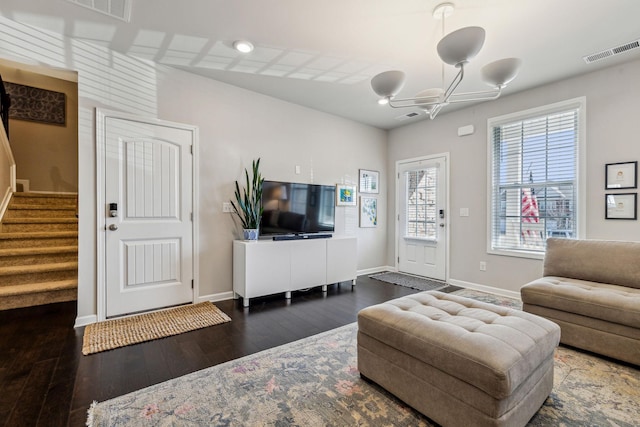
{"x":422,"y":203}
{"x":148,"y":205}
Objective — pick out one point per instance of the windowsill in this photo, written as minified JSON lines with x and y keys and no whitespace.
{"x":516,"y":253}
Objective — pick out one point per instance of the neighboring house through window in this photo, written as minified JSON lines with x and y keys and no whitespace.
{"x":535,"y":183}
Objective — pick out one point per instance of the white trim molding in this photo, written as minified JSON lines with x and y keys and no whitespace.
{"x":85,"y":320}
{"x":222,"y":296}
{"x":374,"y":270}
{"x":485,"y":288}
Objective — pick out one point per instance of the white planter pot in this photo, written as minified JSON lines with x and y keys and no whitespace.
{"x":250,"y":233}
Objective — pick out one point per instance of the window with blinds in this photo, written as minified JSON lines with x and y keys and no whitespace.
{"x":534,"y":168}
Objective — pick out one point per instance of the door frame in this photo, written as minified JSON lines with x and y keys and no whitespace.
{"x":101,"y":142}
{"x":446,"y":208}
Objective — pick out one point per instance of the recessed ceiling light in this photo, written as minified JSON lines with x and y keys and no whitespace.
{"x":243,"y":46}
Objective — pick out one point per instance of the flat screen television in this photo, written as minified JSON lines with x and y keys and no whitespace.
{"x":291,"y":208}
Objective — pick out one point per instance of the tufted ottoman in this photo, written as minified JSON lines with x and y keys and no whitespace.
{"x":459,"y":361}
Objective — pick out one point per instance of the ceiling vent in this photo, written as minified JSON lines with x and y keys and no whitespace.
{"x":407,"y":116}
{"x":119,"y":9}
{"x":611,"y":52}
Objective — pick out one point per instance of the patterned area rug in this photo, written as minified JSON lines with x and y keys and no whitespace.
{"x":409,"y":281}
{"x":116,"y":333}
{"x":314,"y":382}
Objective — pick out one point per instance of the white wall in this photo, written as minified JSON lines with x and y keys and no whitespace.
{"x":612,"y":136}
{"x":236,"y":126}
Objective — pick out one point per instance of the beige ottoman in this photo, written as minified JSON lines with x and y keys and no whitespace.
{"x":458,"y":361}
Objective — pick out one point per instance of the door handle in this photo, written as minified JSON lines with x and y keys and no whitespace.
{"x":113,"y":227}
{"x":441,"y":224}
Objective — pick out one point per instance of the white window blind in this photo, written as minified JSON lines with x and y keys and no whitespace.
{"x":534,"y":180}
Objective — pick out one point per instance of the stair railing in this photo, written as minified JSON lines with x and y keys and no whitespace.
{"x":5,"y":104}
{"x":7,"y":161}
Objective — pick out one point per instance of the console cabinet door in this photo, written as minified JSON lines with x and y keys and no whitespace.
{"x":267,"y":268}
{"x":342,"y":259}
{"x":308,"y":263}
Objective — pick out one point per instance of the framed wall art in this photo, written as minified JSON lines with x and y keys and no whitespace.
{"x":36,"y":105}
{"x":368,"y":212}
{"x":619,"y":176}
{"x":345,"y":195}
{"x":621,"y":206}
{"x":369,"y":181}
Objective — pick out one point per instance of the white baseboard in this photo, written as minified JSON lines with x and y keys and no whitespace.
{"x":5,"y":202}
{"x":85,"y":320}
{"x":375,"y":270}
{"x":222,"y":296}
{"x":484,"y":288}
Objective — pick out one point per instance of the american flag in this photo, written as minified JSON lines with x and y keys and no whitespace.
{"x":530,"y":212}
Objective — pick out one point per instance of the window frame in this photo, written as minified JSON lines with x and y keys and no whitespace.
{"x":580,"y":104}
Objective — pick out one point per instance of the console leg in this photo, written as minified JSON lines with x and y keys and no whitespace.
{"x":245,"y":302}
{"x":353,"y":282}
{"x":235,"y":295}
{"x":324,"y":288}
{"x":287,"y":295}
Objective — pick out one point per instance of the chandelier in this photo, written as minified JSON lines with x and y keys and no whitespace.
{"x":456,"y":48}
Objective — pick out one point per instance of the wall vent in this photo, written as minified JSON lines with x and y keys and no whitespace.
{"x":611,"y":52}
{"x":119,"y":9}
{"x":408,"y":116}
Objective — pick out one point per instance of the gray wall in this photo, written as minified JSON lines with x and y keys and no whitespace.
{"x":612,"y":136}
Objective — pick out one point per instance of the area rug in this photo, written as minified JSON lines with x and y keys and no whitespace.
{"x":409,"y":281}
{"x":315,"y":382}
{"x":116,"y":333}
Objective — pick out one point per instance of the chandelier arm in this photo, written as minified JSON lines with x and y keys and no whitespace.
{"x":410,"y":102}
{"x":435,"y":111}
{"x":485,"y":95}
{"x":454,"y":84}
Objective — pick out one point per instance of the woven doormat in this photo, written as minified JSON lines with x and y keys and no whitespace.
{"x":406,"y":280}
{"x":116,"y":333}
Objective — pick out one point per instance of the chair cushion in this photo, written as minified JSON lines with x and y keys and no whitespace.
{"x":616,"y":304}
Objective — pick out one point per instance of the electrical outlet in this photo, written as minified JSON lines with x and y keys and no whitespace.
{"x":226,"y":207}
{"x":483,"y":266}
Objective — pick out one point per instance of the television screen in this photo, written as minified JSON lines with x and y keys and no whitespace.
{"x":290,"y":208}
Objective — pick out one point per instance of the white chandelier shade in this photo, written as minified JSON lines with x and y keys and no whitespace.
{"x":456,"y":48}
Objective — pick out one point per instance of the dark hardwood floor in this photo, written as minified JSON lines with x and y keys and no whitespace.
{"x":46,"y":381}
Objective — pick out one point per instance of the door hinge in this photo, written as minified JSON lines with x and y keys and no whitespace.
{"x":191,"y":283}
{"x":191,"y":147}
{"x":398,"y":175}
{"x":191,"y":216}
{"x":398,"y":260}
{"x":398,"y":217}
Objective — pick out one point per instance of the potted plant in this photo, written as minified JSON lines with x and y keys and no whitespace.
{"x":248,"y":204}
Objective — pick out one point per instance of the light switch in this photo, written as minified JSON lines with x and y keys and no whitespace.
{"x":464,"y":211}
{"x":297,"y":170}
{"x":226,"y":207}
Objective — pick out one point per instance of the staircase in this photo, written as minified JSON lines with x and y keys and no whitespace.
{"x":38,"y":250}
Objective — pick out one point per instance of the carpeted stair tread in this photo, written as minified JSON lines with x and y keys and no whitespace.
{"x":38,"y":235}
{"x":37,"y":251}
{"x":44,"y":220}
{"x":32,"y":288}
{"x":23,"y":194}
{"x":38,"y":268}
{"x":20,"y":206}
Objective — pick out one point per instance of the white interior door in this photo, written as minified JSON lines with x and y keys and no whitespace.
{"x":149,"y":238}
{"x":422,"y":203}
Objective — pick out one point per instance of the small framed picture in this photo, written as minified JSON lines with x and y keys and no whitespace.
{"x":345,"y":195}
{"x":621,"y":175}
{"x":621,"y":206}
{"x":369,"y":181}
{"x":368,"y":212}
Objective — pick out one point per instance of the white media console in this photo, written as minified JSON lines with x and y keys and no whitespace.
{"x":266,"y":267}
